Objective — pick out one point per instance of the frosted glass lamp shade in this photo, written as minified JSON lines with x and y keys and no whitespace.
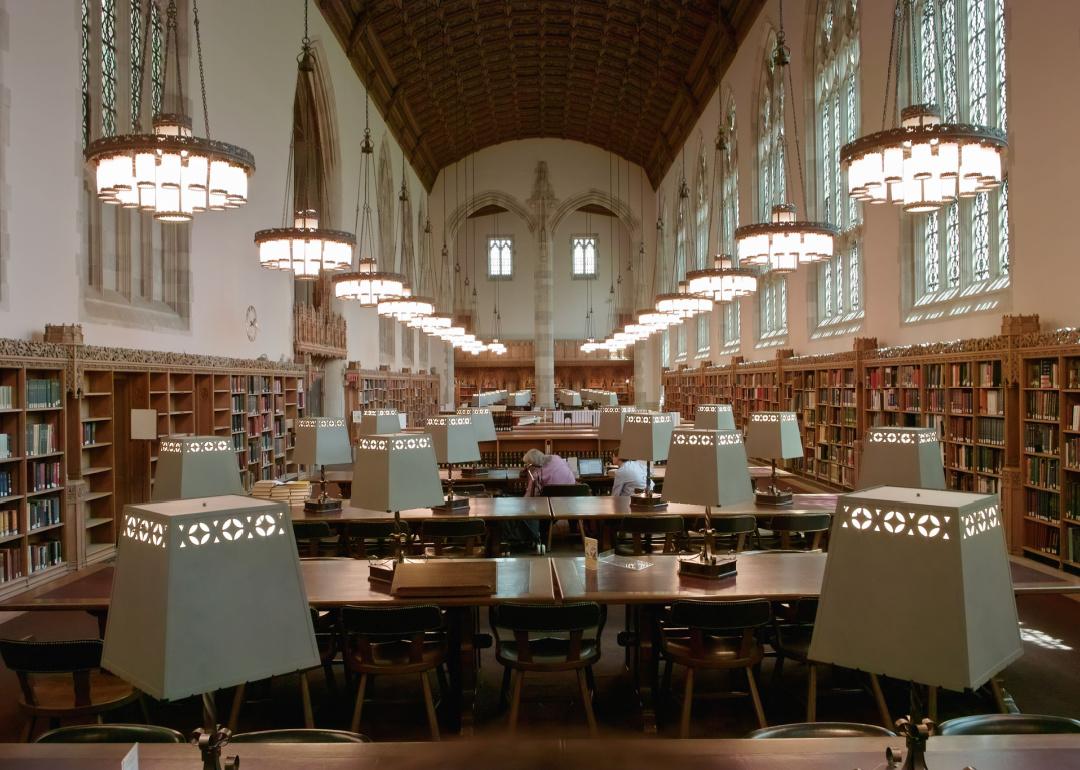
{"x":568,"y":398}
{"x":714,"y":417}
{"x":483,"y":422}
{"x":917,"y":587}
{"x":395,"y":472}
{"x":646,"y":436}
{"x":322,"y":441}
{"x":378,"y":422}
{"x":901,"y":457}
{"x":454,"y":438}
{"x":773,"y":436}
{"x":196,"y":466}
{"x":611,"y":421}
{"x":207,"y":594}
{"x":707,"y":467}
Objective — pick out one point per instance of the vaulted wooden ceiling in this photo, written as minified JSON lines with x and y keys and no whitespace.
{"x":454,"y":76}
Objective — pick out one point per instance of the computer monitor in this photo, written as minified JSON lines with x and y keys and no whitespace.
{"x":591,"y":466}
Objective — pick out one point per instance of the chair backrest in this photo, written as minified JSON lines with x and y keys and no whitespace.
{"x":525,"y":619}
{"x":722,"y":616}
{"x":799,"y":522}
{"x":1008,"y":724}
{"x":822,"y":730}
{"x":567,"y":490}
{"x":77,"y":657}
{"x":308,"y":534}
{"x":111,"y":734}
{"x":300,"y":735}
{"x":366,"y":625}
{"x":803,"y":612}
{"x":734,"y":524}
{"x":635,"y":527}
{"x":371,"y":538}
{"x":459,"y":536}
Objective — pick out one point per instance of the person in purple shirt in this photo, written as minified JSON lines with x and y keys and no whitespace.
{"x":545,"y":469}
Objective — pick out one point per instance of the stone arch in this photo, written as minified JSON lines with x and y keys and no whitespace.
{"x":482,"y":200}
{"x":598,"y":198}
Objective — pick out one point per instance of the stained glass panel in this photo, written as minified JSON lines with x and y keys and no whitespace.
{"x":949,"y":68}
{"x":976,"y":51}
{"x":932,"y":252}
{"x":157,"y":45}
{"x":136,"y":55}
{"x":952,"y":246}
{"x":108,"y":67}
{"x":85,"y":71}
{"x":839,"y":272}
{"x":1003,"y":229}
{"x":826,"y":270}
{"x":853,"y":277}
{"x":980,"y":248}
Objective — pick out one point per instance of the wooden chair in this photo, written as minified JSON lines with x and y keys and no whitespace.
{"x":793,"y":627}
{"x":63,"y":680}
{"x":371,"y":539}
{"x":394,"y":641}
{"x":634,"y":534}
{"x":812,"y":527}
{"x":1008,"y":724}
{"x":453,"y":538}
{"x":714,"y":635}
{"x":111,"y":734}
{"x":566,"y":490}
{"x":300,"y":736}
{"x":547,"y":639}
{"x":732,"y":530}
{"x":823,"y":730}
{"x":314,"y":538}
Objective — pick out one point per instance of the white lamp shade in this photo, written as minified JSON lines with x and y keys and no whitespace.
{"x":568,"y":397}
{"x":901,"y":457}
{"x":322,"y":441}
{"x":207,"y":594}
{"x":483,"y":422}
{"x":488,"y":398}
{"x":714,"y":417}
{"x":707,"y":467}
{"x":395,"y":472}
{"x":646,"y":436}
{"x":917,"y":587}
{"x":196,"y":466}
{"x":520,"y":398}
{"x":600,"y":397}
{"x":379,"y":422}
{"x":773,"y":435}
{"x":454,"y":438}
{"x":611,"y":421}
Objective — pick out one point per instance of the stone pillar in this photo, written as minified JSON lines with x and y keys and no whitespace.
{"x":449,"y":392}
{"x":334,"y":389}
{"x":543,"y":203}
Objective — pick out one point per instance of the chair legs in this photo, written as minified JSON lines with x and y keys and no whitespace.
{"x":688,"y":699}
{"x":429,"y":705}
{"x":515,"y":699}
{"x":504,"y":691}
{"x":811,"y":693}
{"x":879,"y":698}
{"x":27,"y":729}
{"x":305,"y":699}
{"x":238,"y":700}
{"x":586,"y":699}
{"x":354,"y":726}
{"x":756,"y":698}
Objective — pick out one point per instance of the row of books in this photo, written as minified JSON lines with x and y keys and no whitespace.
{"x":40,"y":438}
{"x":1042,"y":505}
{"x":1043,"y":373}
{"x":1040,"y":438}
{"x":988,"y":459}
{"x":44,"y":512}
{"x":960,"y":456}
{"x":44,"y":475}
{"x":7,"y":446}
{"x":44,"y":555}
{"x":1042,"y":406}
{"x":992,"y":431}
{"x":960,"y":429}
{"x":7,"y":397}
{"x":7,"y":484}
{"x":11,"y":566}
{"x":1042,"y":471}
{"x":962,"y":481}
{"x":1072,"y":544}
{"x":1071,"y":500}
{"x":1072,"y":452}
{"x":835,"y":453}
{"x":9,"y":522}
{"x":1047,"y":541}
{"x":89,"y":433}
{"x":891,"y":377}
{"x":42,"y":393}
{"x":1074,"y":417}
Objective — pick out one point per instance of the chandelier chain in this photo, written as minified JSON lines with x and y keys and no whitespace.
{"x":170,"y":32}
{"x":783,"y":60}
{"x":897,"y":13}
{"x":136,"y":112}
{"x":202,"y":73}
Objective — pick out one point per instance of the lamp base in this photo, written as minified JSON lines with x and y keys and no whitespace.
{"x":382,"y":571}
{"x":710,"y":568}
{"x":316,"y":505}
{"x":647,"y":502}
{"x":451,"y":504}
{"x":773,"y":496}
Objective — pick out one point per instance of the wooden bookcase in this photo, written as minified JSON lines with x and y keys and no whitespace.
{"x":416,"y":395}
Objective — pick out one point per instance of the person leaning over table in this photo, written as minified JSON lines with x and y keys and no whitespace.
{"x":540,"y":470}
{"x":629,"y":477}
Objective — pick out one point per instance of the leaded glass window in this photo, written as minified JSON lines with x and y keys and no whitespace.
{"x":772,"y":187}
{"x":583,"y":250}
{"x":500,"y":257}
{"x":729,"y":212}
{"x":108,"y":67}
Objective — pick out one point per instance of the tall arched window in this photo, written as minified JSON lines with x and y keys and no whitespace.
{"x":385,"y":199}
{"x":701,"y":241}
{"x":959,"y":64}
{"x":729,"y":216}
{"x":772,"y":188}
{"x":836,"y":102}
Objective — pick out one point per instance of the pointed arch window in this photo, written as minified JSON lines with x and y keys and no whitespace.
{"x":772,"y":190}
{"x":729,"y":213}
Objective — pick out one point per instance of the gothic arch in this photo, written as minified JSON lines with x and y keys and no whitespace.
{"x":481,"y":200}
{"x":597,"y":198}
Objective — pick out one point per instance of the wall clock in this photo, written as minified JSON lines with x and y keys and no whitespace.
{"x":251,"y":321}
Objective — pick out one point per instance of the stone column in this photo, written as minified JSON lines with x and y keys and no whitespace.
{"x":334,"y":389}
{"x":543,"y":203}
{"x":449,"y":392}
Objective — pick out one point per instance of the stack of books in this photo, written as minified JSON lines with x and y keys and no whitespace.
{"x":289,"y":492}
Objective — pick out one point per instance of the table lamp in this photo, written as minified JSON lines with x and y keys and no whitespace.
{"x":379,"y":422}
{"x":714,"y":417}
{"x":195,"y":466}
{"x":646,"y":436}
{"x":454,"y":438}
{"x":901,"y":457}
{"x":917,"y":586}
{"x":207,"y":594}
{"x":709,"y":468}
{"x":322,"y":441}
{"x":774,"y":436}
{"x":611,"y":421}
{"x":399,"y":473}
{"x":483,"y":421}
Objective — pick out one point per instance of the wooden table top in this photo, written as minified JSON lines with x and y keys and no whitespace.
{"x":1012,"y":752}
{"x":486,"y":508}
{"x":761,"y":575}
{"x":512,"y":474}
{"x":617,"y":507}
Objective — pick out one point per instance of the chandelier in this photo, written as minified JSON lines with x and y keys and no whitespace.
{"x":925,"y":163}
{"x":723,"y":281}
{"x":785,"y":242}
{"x":305,"y":248}
{"x":170,"y":173}
{"x":405,"y":306}
{"x":367,"y":284}
{"x":682,"y":303}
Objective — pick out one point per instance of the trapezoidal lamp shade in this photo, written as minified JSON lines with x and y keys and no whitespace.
{"x":322,"y":441}
{"x":708,"y":468}
{"x":379,"y":422}
{"x":901,"y":457}
{"x":646,"y":436}
{"x":482,"y":420}
{"x":454,"y":437}
{"x":773,"y":436}
{"x":714,"y":417}
{"x":196,"y":466}
{"x":207,"y":594}
{"x":917,"y":587}
{"x":610,"y":427}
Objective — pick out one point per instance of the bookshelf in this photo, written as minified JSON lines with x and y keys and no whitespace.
{"x":414,"y":394}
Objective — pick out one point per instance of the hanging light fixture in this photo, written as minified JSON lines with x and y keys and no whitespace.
{"x":681,"y":304}
{"x":785,"y":242}
{"x":170,"y":173}
{"x":305,"y":248}
{"x":367,"y":284}
{"x":406,"y":305}
{"x":923,"y":164}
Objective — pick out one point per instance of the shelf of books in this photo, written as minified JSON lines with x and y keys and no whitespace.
{"x":34,"y":536}
{"x":414,"y":394}
{"x":823,"y":393}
